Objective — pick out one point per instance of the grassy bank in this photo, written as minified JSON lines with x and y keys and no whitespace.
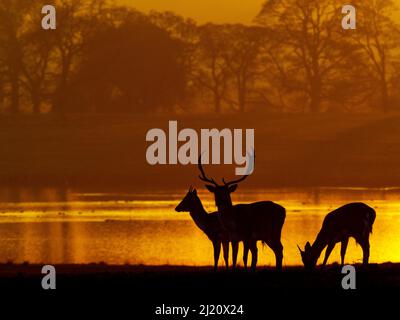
{"x":156,"y":278}
{"x":138,"y":291}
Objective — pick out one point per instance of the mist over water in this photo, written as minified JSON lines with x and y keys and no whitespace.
{"x":64,"y":226}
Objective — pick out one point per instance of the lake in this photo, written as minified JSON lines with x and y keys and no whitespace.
{"x":69,"y":226}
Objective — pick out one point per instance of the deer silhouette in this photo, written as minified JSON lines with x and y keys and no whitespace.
{"x":351,"y":220}
{"x":248,"y":222}
{"x":209,"y":223}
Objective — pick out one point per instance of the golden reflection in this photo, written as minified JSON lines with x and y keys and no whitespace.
{"x":150,"y":232}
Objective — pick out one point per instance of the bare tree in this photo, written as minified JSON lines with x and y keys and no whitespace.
{"x":377,"y":35}
{"x":76,"y":21}
{"x":311,"y":43}
{"x":242,"y":48}
{"x":37,"y":46}
{"x":187,"y":32}
{"x":212,"y":71}
{"x":2,"y":88}
{"x":12,"y":17}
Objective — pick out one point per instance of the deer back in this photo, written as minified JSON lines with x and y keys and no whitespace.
{"x":259,"y":220}
{"x":353,"y":219}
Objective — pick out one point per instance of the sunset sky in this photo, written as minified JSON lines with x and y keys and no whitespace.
{"x":219,"y":11}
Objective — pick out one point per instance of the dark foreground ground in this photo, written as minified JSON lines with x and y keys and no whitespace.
{"x":160,"y":278}
{"x":141,"y":289}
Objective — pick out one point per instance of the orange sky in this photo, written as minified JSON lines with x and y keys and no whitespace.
{"x":219,"y":11}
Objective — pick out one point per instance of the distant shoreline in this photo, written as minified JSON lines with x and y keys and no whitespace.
{"x":293,"y":150}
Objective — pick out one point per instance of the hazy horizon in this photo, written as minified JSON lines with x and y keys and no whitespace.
{"x":217,"y":11}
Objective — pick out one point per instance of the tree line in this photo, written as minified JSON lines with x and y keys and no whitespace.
{"x":103,"y":58}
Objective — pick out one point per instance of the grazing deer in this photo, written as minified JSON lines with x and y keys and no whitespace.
{"x":351,"y":220}
{"x":208,"y":223}
{"x":248,"y":222}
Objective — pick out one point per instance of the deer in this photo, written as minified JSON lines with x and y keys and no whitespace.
{"x":351,"y":220}
{"x":247,"y":222}
{"x":207,"y":222}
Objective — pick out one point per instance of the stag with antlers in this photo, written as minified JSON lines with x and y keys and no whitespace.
{"x":259,"y":221}
{"x":208,"y":223}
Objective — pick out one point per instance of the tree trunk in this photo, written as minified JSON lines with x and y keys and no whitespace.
{"x":36,"y":104}
{"x":315,"y":96}
{"x":59,"y":96}
{"x":315,"y":104}
{"x":385,"y":97}
{"x":217,"y":104}
{"x":59,"y":100}
{"x":242,"y":97}
{"x":15,"y":94}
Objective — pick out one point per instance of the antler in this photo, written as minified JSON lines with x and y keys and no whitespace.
{"x":234,"y":181}
{"x":242,"y":178}
{"x":203,"y":176}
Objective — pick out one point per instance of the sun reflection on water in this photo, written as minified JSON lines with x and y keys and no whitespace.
{"x":145,"y":229}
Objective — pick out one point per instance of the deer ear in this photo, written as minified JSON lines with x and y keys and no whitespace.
{"x":308,"y":245}
{"x":232,"y":188}
{"x":210,"y":188}
{"x":300,"y":249}
{"x":194,"y":192}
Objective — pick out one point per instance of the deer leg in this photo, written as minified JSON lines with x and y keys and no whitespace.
{"x":328,"y":252}
{"x":245,"y":253}
{"x":235,"y":249}
{"x":343,"y":249}
{"x":254,"y":255}
{"x":217,"y":250}
{"x":278,"y":250}
{"x":225,"y":249}
{"x":365,"y":247}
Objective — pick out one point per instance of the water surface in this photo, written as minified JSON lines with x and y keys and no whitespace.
{"x":53,"y":226}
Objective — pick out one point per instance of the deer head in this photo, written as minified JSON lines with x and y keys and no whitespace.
{"x":222,"y":193}
{"x":308,"y":257}
{"x":188,"y":201}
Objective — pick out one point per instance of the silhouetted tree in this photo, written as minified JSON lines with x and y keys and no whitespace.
{"x":132,"y":67}
{"x":378,"y":35}
{"x":187,"y":32}
{"x":242,"y":48}
{"x":309,"y":35}
{"x":2,"y":87}
{"x":12,"y":17}
{"x":38,"y":51}
{"x":212,"y":71}
{"x":76,"y":21}
{"x":275,"y":86}
{"x":108,"y":58}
